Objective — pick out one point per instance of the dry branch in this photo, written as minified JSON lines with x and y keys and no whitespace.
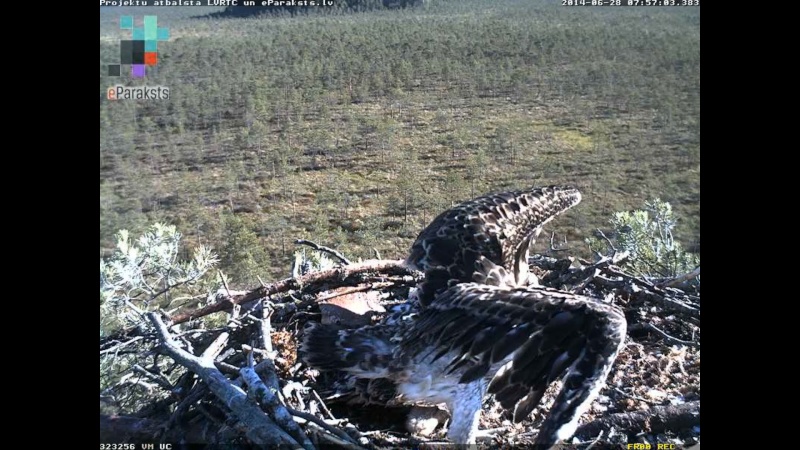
{"x":266,"y":325}
{"x":321,"y":423}
{"x":606,"y":275}
{"x":339,"y":276}
{"x":364,"y":288}
{"x":260,"y":428}
{"x":158,"y":379}
{"x":288,"y":416}
{"x":269,"y":399}
{"x":116,"y":347}
{"x":681,"y":279}
{"x":667,"y":337}
{"x":324,"y":249}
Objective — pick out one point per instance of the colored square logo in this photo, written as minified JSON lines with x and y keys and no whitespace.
{"x":150,"y":58}
{"x":150,"y":27}
{"x":142,"y":49}
{"x":126,"y":52}
{"x":137,"y":70}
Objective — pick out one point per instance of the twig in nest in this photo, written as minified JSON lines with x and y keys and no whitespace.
{"x":605,"y":238}
{"x":269,"y":399}
{"x":216,"y":347}
{"x":652,"y":293}
{"x":261,"y":430}
{"x":333,"y":439}
{"x":596,"y":440}
{"x":333,"y":277}
{"x":680,"y":279}
{"x":581,"y":277}
{"x":266,"y":325}
{"x":321,"y":423}
{"x":367,"y":287}
{"x":224,"y":282}
{"x":324,"y":249}
{"x":634,"y":397}
{"x":322,"y":404}
{"x":121,"y":344}
{"x":667,"y":337}
{"x":552,"y":244}
{"x":159,"y":378}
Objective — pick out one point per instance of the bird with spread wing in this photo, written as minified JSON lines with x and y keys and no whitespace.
{"x":480,"y":324}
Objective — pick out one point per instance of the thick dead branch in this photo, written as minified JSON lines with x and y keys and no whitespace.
{"x":363,"y":288}
{"x":339,"y":276}
{"x":607,"y":275}
{"x":261,"y":429}
{"x":269,"y":400}
{"x":338,"y":442}
{"x":550,"y":263}
{"x":656,"y":420}
{"x":217,"y":346}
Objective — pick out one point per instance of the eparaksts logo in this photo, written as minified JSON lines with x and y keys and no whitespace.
{"x":119,"y":92}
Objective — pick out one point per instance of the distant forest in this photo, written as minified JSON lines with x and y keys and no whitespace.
{"x":348,"y":5}
{"x":354,"y":127}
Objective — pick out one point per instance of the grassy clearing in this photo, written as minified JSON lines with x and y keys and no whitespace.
{"x":356,"y":130}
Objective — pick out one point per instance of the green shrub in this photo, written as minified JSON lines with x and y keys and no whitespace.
{"x":145,"y":274}
{"x":142,"y":275}
{"x":646,"y":234}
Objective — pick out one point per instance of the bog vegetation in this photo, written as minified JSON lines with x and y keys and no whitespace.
{"x":356,"y":129}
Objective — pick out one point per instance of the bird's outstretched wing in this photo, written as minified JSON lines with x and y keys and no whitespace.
{"x":529,"y":337}
{"x":499,"y":227}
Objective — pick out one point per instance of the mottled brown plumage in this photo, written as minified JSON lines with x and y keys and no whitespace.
{"x":519,"y":341}
{"x":481,"y":325}
{"x":498,"y":227}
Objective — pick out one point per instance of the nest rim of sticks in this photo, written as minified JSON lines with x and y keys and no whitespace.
{"x":246,"y":388}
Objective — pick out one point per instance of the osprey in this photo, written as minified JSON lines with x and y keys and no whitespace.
{"x":481,"y":325}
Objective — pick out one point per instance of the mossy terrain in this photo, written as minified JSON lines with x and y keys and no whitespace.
{"x":356,"y":129}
